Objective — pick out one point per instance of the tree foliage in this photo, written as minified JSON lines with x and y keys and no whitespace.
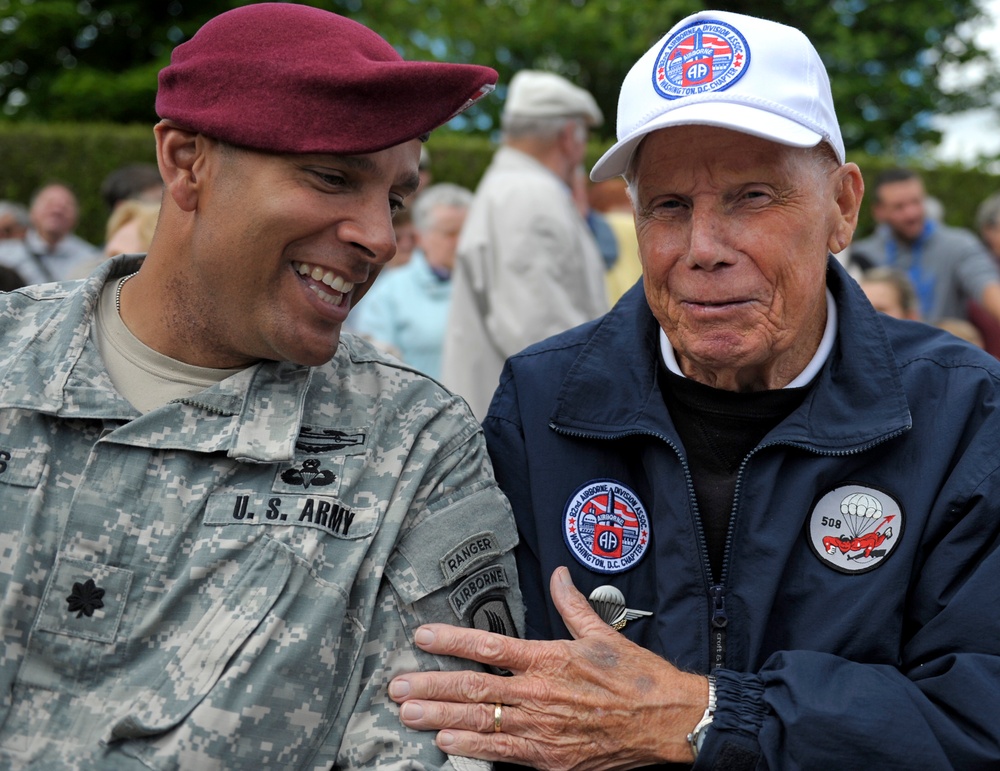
{"x":87,"y":59}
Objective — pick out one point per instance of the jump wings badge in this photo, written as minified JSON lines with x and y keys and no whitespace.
{"x":609,"y":603}
{"x":605,"y":526}
{"x":854,"y":528}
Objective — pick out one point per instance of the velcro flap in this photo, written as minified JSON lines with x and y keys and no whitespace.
{"x":451,"y":543}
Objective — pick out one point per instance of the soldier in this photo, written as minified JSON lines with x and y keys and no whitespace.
{"x":220,"y":521}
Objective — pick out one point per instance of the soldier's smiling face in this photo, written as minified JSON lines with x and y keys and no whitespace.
{"x":281,"y":247}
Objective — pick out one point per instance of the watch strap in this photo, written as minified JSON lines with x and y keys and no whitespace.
{"x":697,"y":736}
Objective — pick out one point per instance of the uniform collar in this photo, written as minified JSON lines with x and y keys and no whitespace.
{"x":44,"y":374}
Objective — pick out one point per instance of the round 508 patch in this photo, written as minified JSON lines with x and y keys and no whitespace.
{"x":605,"y":526}
{"x":854,"y":528}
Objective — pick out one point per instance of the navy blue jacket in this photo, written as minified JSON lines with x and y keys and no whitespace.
{"x":830,"y":652}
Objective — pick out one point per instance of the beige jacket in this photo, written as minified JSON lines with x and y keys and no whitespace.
{"x":527,"y":268}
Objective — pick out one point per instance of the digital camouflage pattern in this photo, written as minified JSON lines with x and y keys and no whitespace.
{"x":208,"y":586}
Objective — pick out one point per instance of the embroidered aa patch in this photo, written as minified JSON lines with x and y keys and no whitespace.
{"x":704,"y":56}
{"x":605,"y":526}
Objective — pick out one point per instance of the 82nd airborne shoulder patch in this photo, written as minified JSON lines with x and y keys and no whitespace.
{"x":854,"y":528}
{"x":605,"y":526}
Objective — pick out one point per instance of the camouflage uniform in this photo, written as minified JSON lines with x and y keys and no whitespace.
{"x":206,"y":586}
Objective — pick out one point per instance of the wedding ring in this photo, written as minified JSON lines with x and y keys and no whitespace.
{"x":497,"y":717}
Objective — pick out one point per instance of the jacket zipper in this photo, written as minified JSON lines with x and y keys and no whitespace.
{"x":718,"y":628}
{"x":716,"y":592}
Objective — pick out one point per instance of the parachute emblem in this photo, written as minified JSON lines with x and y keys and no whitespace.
{"x":854,"y":528}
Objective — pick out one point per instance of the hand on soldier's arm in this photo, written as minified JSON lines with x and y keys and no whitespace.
{"x":595,"y":702}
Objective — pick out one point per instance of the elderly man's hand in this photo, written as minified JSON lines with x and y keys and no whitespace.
{"x":596,"y":702}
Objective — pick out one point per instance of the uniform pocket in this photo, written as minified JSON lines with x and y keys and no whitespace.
{"x":199,"y":661}
{"x":84,"y":599}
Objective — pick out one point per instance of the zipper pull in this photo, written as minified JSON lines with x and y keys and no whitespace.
{"x":718,"y":627}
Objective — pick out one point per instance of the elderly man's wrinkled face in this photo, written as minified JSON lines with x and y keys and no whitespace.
{"x":733,"y":235}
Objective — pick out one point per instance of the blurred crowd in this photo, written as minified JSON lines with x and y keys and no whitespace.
{"x":543,"y":250}
{"x":38,"y":241}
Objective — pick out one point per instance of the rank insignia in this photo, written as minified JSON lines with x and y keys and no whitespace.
{"x":85,"y":598}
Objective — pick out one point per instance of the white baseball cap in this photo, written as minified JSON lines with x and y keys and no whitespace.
{"x":716,"y":68}
{"x":538,"y":94}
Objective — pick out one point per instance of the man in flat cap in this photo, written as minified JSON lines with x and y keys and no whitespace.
{"x":220,"y":521}
{"x":528,"y":266}
{"x":783,"y":506}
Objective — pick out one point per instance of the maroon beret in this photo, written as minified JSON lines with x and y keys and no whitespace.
{"x":289,"y":78}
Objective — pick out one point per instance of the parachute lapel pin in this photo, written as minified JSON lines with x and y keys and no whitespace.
{"x":609,"y":603}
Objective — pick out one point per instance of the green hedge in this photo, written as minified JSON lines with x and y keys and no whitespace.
{"x":81,"y":155}
{"x":78,"y":155}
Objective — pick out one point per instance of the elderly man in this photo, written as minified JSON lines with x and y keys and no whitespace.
{"x":221,"y":521}
{"x":407,"y":310}
{"x":787,"y":503}
{"x":528,"y":266}
{"x":50,"y":250}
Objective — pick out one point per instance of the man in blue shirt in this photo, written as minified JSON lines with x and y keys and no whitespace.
{"x":948,"y":266}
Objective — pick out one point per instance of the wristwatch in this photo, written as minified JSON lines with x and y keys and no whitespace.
{"x":697,"y":736}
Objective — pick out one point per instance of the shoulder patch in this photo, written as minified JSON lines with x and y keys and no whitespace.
{"x":488,"y":581}
{"x":492,"y":614}
{"x":704,"y":56}
{"x":605,"y":526}
{"x":854,"y":528}
{"x":474,"y":550}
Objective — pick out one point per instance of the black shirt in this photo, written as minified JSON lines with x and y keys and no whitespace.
{"x":719,"y":429}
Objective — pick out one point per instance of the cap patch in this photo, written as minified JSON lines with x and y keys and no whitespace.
{"x":605,"y":526}
{"x":853,"y":528}
{"x":704,"y":56}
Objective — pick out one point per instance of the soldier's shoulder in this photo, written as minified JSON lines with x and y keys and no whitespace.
{"x":23,"y":310}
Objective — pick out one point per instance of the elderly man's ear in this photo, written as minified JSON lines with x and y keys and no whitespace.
{"x":849,"y":190}
{"x":182,"y":156}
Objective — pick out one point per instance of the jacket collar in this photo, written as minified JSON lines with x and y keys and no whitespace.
{"x":857,"y":399}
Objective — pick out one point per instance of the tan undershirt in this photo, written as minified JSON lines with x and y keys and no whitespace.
{"x":146,"y":378}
